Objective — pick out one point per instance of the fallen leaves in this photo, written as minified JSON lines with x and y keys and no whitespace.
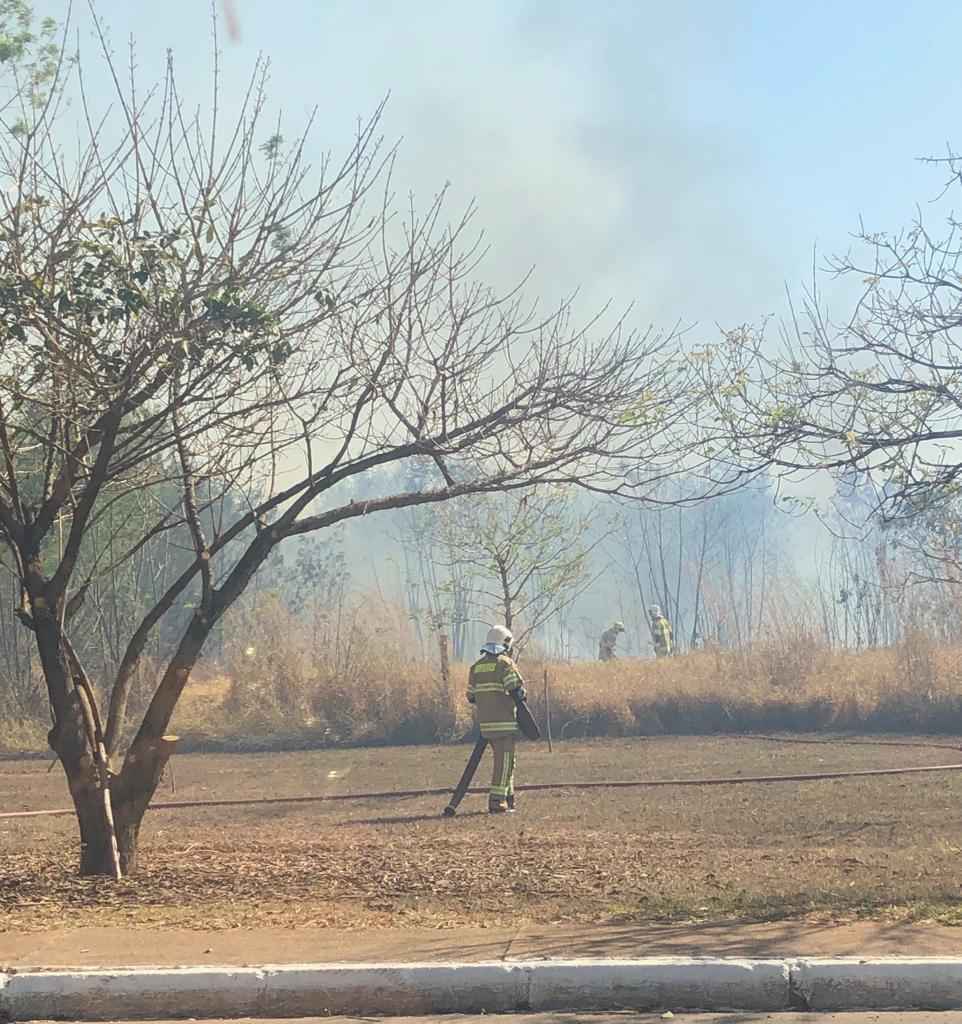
{"x":661,"y":855}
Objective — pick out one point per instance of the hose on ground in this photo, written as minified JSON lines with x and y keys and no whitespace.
{"x":535,"y":787}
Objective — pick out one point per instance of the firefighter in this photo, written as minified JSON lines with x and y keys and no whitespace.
{"x":494,"y":687}
{"x":660,"y":632}
{"x":606,"y":645}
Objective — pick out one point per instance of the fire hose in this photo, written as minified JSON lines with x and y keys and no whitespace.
{"x":536,"y":787}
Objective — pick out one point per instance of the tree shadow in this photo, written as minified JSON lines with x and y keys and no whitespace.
{"x":787,"y":937}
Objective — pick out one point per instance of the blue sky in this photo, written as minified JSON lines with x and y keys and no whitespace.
{"x":683,"y":157}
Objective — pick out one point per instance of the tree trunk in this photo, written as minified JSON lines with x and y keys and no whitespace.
{"x":131,"y":793}
{"x":96,"y":840}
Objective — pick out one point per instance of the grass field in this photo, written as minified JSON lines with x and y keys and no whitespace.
{"x":887,"y":847}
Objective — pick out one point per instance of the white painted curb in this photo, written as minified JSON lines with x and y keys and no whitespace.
{"x":282,"y":991}
{"x":392,"y":989}
{"x":101,"y":995}
{"x":313,"y":990}
{"x":665,"y":983}
{"x":898,"y":983}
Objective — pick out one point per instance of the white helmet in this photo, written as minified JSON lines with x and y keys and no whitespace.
{"x":498,"y":640}
{"x":499,"y":635}
{"x":654,"y":610}
{"x":619,"y":626}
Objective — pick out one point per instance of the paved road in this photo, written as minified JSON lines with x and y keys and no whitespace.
{"x":872,"y":1017}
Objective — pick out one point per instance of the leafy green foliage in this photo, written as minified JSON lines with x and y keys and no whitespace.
{"x":107,"y":287}
{"x":30,"y":53}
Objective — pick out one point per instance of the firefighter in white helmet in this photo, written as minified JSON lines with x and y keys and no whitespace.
{"x":660,"y":632}
{"x":606,"y":645}
{"x":494,"y":687}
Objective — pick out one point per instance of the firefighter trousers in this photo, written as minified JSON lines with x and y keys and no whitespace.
{"x":502,"y":777}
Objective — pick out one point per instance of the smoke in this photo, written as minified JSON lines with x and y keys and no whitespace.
{"x":574,"y":129}
{"x":581,"y":132}
{"x":684,"y":158}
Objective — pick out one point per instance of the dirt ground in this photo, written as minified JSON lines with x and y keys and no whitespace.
{"x":132,"y":946}
{"x":885,"y":849}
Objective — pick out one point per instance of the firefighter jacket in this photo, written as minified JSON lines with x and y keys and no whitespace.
{"x":661,"y":635}
{"x":492,"y":682}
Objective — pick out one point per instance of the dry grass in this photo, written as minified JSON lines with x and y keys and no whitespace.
{"x":802,"y":688}
{"x":778,"y":687}
{"x":887,"y":848}
{"x":17,"y":736}
{"x":289,"y":686}
{"x":334,"y":677}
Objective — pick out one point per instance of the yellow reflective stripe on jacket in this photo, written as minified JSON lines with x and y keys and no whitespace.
{"x":493,"y":675}
{"x":490,"y":684}
{"x":492,"y":687}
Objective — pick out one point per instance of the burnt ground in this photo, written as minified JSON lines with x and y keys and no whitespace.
{"x":887,"y":848}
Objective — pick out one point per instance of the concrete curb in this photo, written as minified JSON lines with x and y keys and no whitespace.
{"x":883,"y":983}
{"x":663,"y":983}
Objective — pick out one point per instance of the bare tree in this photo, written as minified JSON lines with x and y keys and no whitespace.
{"x":878,"y":394}
{"x":438,"y":588}
{"x":708,"y":567}
{"x":527,"y":556}
{"x":187,"y":302}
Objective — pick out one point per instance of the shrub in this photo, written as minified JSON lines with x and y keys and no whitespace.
{"x":349,"y":678}
{"x":344,"y":677}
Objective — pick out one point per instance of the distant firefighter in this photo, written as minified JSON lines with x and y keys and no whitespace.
{"x":660,"y":632}
{"x":606,"y":646}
